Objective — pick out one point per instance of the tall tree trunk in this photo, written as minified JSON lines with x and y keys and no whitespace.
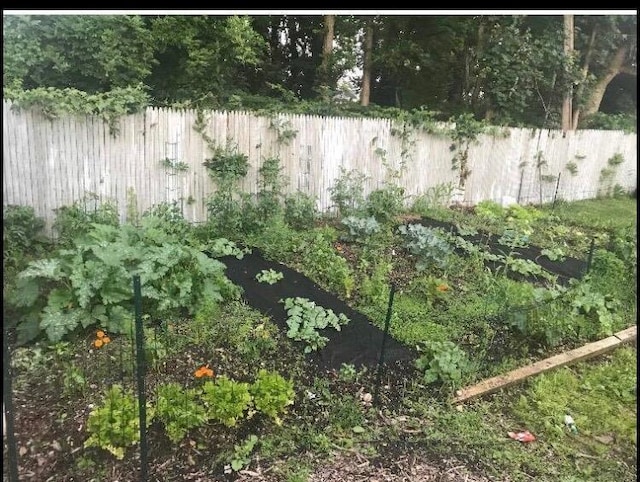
{"x":365,"y":90}
{"x":567,"y":109}
{"x":616,"y":66}
{"x":474,"y":58}
{"x":327,"y":50}
{"x":585,"y":73}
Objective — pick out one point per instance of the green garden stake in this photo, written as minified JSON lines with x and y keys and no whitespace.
{"x":141,"y":372}
{"x":590,"y":257}
{"x":382,"y":346}
{"x":555,"y":194}
{"x":8,"y":425}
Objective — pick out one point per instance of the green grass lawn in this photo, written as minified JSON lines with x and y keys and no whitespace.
{"x":608,"y":213}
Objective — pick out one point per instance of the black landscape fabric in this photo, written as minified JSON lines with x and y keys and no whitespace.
{"x":357,"y":343}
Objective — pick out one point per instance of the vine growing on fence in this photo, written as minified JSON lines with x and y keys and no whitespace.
{"x":109,"y":106}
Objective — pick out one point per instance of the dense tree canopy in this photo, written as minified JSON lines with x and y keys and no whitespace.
{"x":508,"y":69}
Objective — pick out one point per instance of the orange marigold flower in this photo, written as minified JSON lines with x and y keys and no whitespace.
{"x":203,"y":371}
{"x":98,"y":343}
{"x":442,"y":288}
{"x":106,"y":340}
{"x":100,"y":334}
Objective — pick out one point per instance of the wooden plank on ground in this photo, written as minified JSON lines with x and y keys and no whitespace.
{"x":627,"y":335}
{"x":590,"y":350}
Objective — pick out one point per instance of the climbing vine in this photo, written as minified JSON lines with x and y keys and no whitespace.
{"x":109,"y":106}
{"x":465,"y":132}
{"x":284,"y":130}
{"x":607,"y":174}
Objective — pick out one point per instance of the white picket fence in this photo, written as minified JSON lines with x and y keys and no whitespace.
{"x":52,"y":163}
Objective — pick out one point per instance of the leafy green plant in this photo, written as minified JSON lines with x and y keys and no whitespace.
{"x":109,"y":105}
{"x":464,"y":133}
{"x":283,"y":128}
{"x":374,"y":286}
{"x":241,"y":456}
{"x":434,"y":197}
{"x":615,"y":160}
{"x":259,"y":342}
{"x":300,"y":210}
{"x":226,"y":400}
{"x":269,"y":276}
{"x":347,"y":372}
{"x":90,"y":284}
{"x":305,"y":319}
{"x":178,"y":409}
{"x":360,"y":228}
{"x":442,"y":361}
{"x":615,"y":122}
{"x":434,"y":291}
{"x":22,"y":235}
{"x":599,"y":309}
{"x":174,"y":165}
{"x":220,"y":247}
{"x":553,"y":254}
{"x":346,"y":192}
{"x":429,"y":245}
{"x":386,"y":203}
{"x":74,"y":221}
{"x":170,"y":218}
{"x":522,"y":218}
{"x":320,"y":261}
{"x":513,"y":238}
{"x":272,"y":394}
{"x":115,"y":425}
{"x":572,"y":167}
{"x":74,"y":381}
{"x":271,"y":184}
{"x":227,"y":167}
{"x":489,"y":210}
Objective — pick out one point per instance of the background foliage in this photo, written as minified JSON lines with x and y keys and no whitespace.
{"x":508,"y":69}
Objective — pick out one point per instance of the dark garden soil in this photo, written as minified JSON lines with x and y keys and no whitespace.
{"x":569,"y":268}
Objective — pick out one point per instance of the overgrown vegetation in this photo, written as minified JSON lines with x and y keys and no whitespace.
{"x":228,"y":388}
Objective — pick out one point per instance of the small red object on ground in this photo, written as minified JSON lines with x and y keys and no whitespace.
{"x":523,"y":437}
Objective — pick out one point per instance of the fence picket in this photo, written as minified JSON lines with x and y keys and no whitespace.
{"x":51,"y":163}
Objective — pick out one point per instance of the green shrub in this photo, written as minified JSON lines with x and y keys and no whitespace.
{"x":90,"y":284}
{"x":386,"y":203}
{"x":360,"y":228}
{"x":346,"y":192}
{"x":320,"y":261}
{"x":300,"y":210}
{"x":74,"y":221}
{"x":22,"y":235}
